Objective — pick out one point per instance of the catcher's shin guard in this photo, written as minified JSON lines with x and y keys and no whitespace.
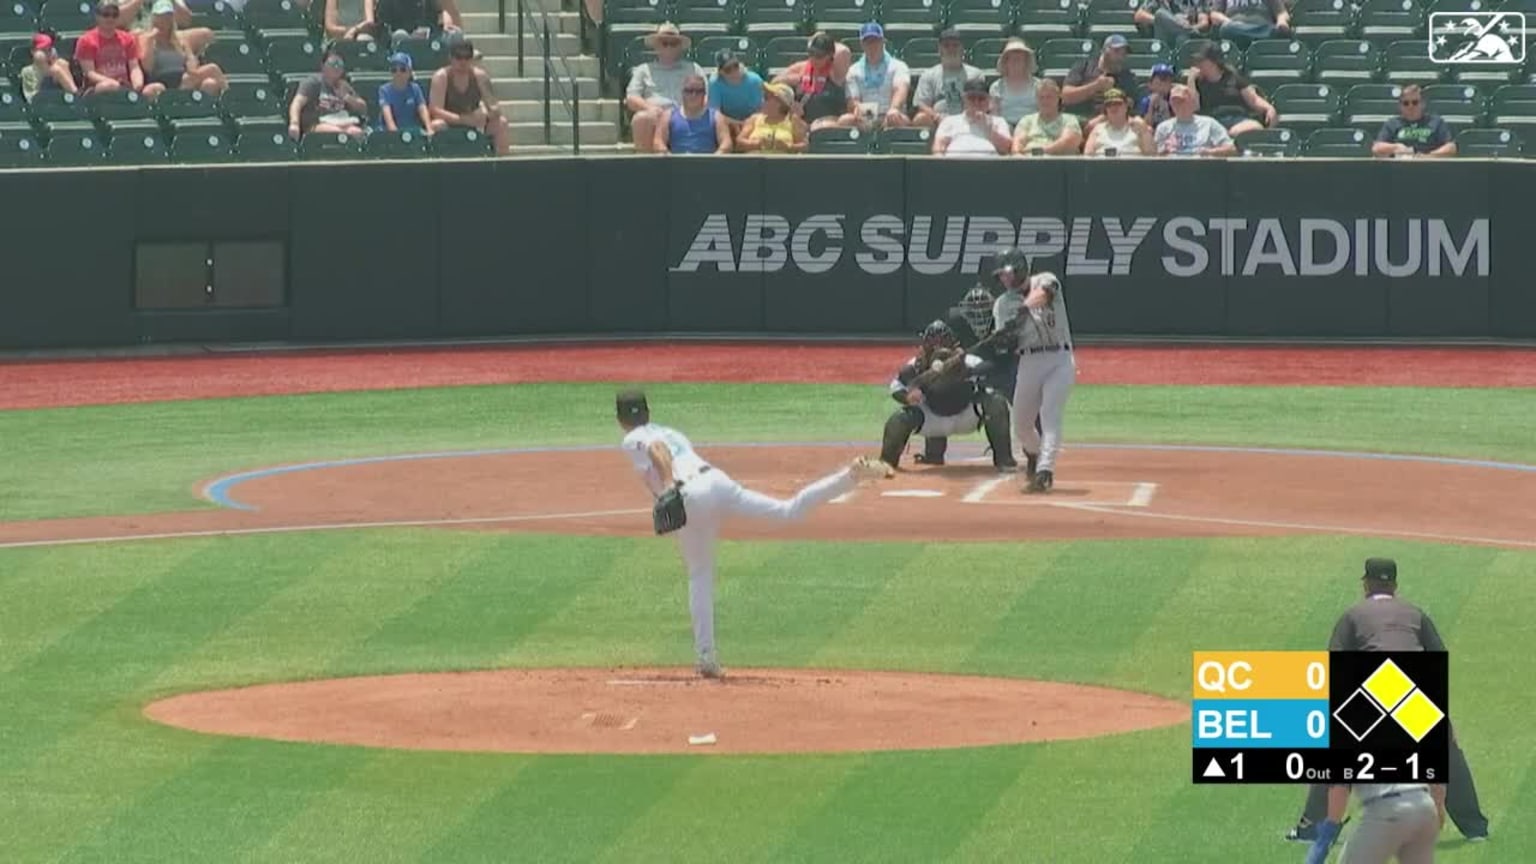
{"x":898,"y":429}
{"x":995,"y":422}
{"x":934,"y":450}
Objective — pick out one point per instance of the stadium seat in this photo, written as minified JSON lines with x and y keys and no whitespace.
{"x":1343,"y":62}
{"x":1270,"y":63}
{"x":362,"y":56}
{"x":265,"y":146}
{"x":985,"y":53}
{"x":920,"y":53}
{"x":460,"y":143}
{"x":330,"y":147}
{"x":1489,"y":144}
{"x":1385,"y":20}
{"x":185,"y":111}
{"x":1143,"y":54}
{"x":703,"y":17}
{"x":780,"y":52}
{"x":905,"y":18}
{"x":634,"y":16}
{"x":1103,"y":17}
{"x":1339,"y":143}
{"x":980,"y":17}
{"x":632,"y":54}
{"x":76,"y":148}
{"x":138,"y":147}
{"x":19,"y":149}
{"x":1269,"y":142}
{"x":1057,"y":56}
{"x":1514,"y":106}
{"x":217,"y":16}
{"x":1406,"y":61}
{"x":428,"y":53}
{"x":208,"y":146}
{"x":838,"y":140}
{"x":271,"y":18}
{"x":406,"y":144}
{"x":1039,"y":20}
{"x":18,"y":21}
{"x":907,"y":141}
{"x":250,"y":99}
{"x":122,"y":111}
{"x":1317,"y":21}
{"x":238,"y":58}
{"x":57,"y":111}
{"x":1461,"y":106}
{"x":13,"y":111}
{"x":293,"y":58}
{"x":1367,"y":106}
{"x":1305,"y":108}
{"x":769,"y":18}
{"x":71,"y":17}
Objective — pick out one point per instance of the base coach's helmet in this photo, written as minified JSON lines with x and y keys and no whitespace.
{"x":1011,"y":266}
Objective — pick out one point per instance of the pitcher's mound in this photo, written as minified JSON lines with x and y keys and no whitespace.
{"x":660,"y":710}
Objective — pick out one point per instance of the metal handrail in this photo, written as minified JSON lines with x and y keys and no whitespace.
{"x":571,"y":97}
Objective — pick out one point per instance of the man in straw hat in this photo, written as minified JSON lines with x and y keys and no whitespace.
{"x":657,"y":86}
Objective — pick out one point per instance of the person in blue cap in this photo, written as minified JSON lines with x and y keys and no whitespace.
{"x":878,"y":84}
{"x":1154,"y":106}
{"x":402,"y":105}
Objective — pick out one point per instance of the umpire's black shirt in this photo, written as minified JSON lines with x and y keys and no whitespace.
{"x":1381,"y":622}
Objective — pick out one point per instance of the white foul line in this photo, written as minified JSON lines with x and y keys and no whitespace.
{"x":1297,"y":526}
{"x":983,"y":489}
{"x":326,"y":526}
{"x":1143,"y":495}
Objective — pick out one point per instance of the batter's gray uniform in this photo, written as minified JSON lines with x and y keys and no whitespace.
{"x":1396,"y":819}
{"x":1046,"y":370}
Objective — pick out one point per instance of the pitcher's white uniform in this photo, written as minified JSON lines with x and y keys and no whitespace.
{"x":710,"y":496}
{"x":1046,"y":370}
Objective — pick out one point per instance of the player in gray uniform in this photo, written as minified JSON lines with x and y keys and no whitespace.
{"x":1397,"y":820}
{"x":1046,"y":370}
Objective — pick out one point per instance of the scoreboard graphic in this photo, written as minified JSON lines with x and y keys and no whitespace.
{"x":1320,"y":716}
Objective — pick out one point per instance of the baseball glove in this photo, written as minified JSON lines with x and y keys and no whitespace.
{"x":669,"y":514}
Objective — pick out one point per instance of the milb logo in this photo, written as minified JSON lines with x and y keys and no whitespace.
{"x":1477,"y":38}
{"x":1389,"y":692}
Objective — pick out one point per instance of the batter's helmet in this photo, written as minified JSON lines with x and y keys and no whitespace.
{"x":1012,"y":261}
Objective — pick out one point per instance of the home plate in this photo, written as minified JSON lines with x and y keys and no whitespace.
{"x":912,"y":493}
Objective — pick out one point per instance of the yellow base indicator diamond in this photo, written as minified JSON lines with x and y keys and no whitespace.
{"x":1417,"y":715}
{"x":1388,"y":685}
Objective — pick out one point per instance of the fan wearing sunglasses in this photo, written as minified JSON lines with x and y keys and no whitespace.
{"x":1414,"y":132}
{"x":693,"y":127}
{"x":108,"y":54}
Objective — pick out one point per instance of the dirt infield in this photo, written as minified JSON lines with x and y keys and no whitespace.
{"x":660,"y":710}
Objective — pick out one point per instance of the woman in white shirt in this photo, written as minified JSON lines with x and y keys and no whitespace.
{"x":1118,"y":133}
{"x":1013,"y":93}
{"x":976,"y":131}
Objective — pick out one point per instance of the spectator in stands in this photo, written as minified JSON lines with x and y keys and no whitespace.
{"x":735,"y":91}
{"x":351,"y":19}
{"x":1049,"y":131}
{"x":657,"y":86}
{"x":939,"y":89}
{"x":1188,"y":133}
{"x":326,"y":103}
{"x":171,"y":56}
{"x":402,"y":105}
{"x":1415,"y":131}
{"x":1247,"y":21}
{"x":820,"y":81}
{"x":693,"y":126}
{"x":1088,"y":81}
{"x":975,"y":131}
{"x":405,"y":19}
{"x":1013,"y":93}
{"x":1174,"y":21}
{"x":1226,"y":95}
{"x":878,"y":84}
{"x":776,"y":129}
{"x":1154,"y":107}
{"x":47,"y":71}
{"x":462,"y":96}
{"x":1118,"y":133}
{"x":109,"y":56}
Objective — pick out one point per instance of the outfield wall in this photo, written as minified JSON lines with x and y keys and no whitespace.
{"x":816,"y":245}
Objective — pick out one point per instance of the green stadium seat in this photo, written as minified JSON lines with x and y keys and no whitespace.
{"x":330,"y":147}
{"x":265,"y":146}
{"x":632,"y":54}
{"x":1103,"y":17}
{"x":1057,"y":56}
{"x":1270,"y":63}
{"x":204,"y":146}
{"x":705,"y":49}
{"x":76,"y":147}
{"x":251,"y":100}
{"x":1343,"y":62}
{"x":1143,"y":54}
{"x":981,"y":17}
{"x":58,"y":111}
{"x":1385,"y":20}
{"x":239,"y":59}
{"x":1513,"y":106}
{"x":428,"y":53}
{"x":780,"y":52}
{"x":908,"y":141}
{"x":122,"y":111}
{"x":18,"y":21}
{"x":1317,"y":21}
{"x":1269,"y":142}
{"x":19,"y":149}
{"x":1406,"y":61}
{"x":1460,"y":105}
{"x":293,"y":58}
{"x":634,"y":16}
{"x":362,"y":56}
{"x":217,"y":16}
{"x":1039,"y":20}
{"x":703,"y":17}
{"x":139,"y":147}
{"x":1339,"y":143}
{"x":269,"y":18}
{"x":1490,"y":144}
{"x":770,"y":18}
{"x":406,"y":144}
{"x":367,"y":86}
{"x":13,"y":111}
{"x":837,"y":140}
{"x":460,"y":143}
{"x":1184,"y":57}
{"x":1305,"y":108}
{"x":920,"y":53}
{"x":1367,"y":106}
{"x":907,"y":18}
{"x":71,"y":17}
{"x":985,"y":53}
{"x":185,"y":111}
{"x":13,"y":53}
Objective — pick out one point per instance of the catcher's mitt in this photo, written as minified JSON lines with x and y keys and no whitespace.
{"x":668,"y":514}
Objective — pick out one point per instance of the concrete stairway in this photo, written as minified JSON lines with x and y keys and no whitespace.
{"x":522,"y":96}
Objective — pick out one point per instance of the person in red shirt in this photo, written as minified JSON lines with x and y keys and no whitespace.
{"x":108,"y":56}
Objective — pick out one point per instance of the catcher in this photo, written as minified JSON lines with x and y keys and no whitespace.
{"x":941,"y":393}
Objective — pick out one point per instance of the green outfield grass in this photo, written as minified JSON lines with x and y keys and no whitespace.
{"x":89,"y":634}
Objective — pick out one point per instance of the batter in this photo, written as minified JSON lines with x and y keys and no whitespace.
{"x":1046,"y":370}
{"x":665,"y":458}
{"x":1398,"y":821}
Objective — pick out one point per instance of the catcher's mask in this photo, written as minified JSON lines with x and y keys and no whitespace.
{"x":976,"y":308}
{"x":1011,"y":267}
{"x":939,"y":335}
